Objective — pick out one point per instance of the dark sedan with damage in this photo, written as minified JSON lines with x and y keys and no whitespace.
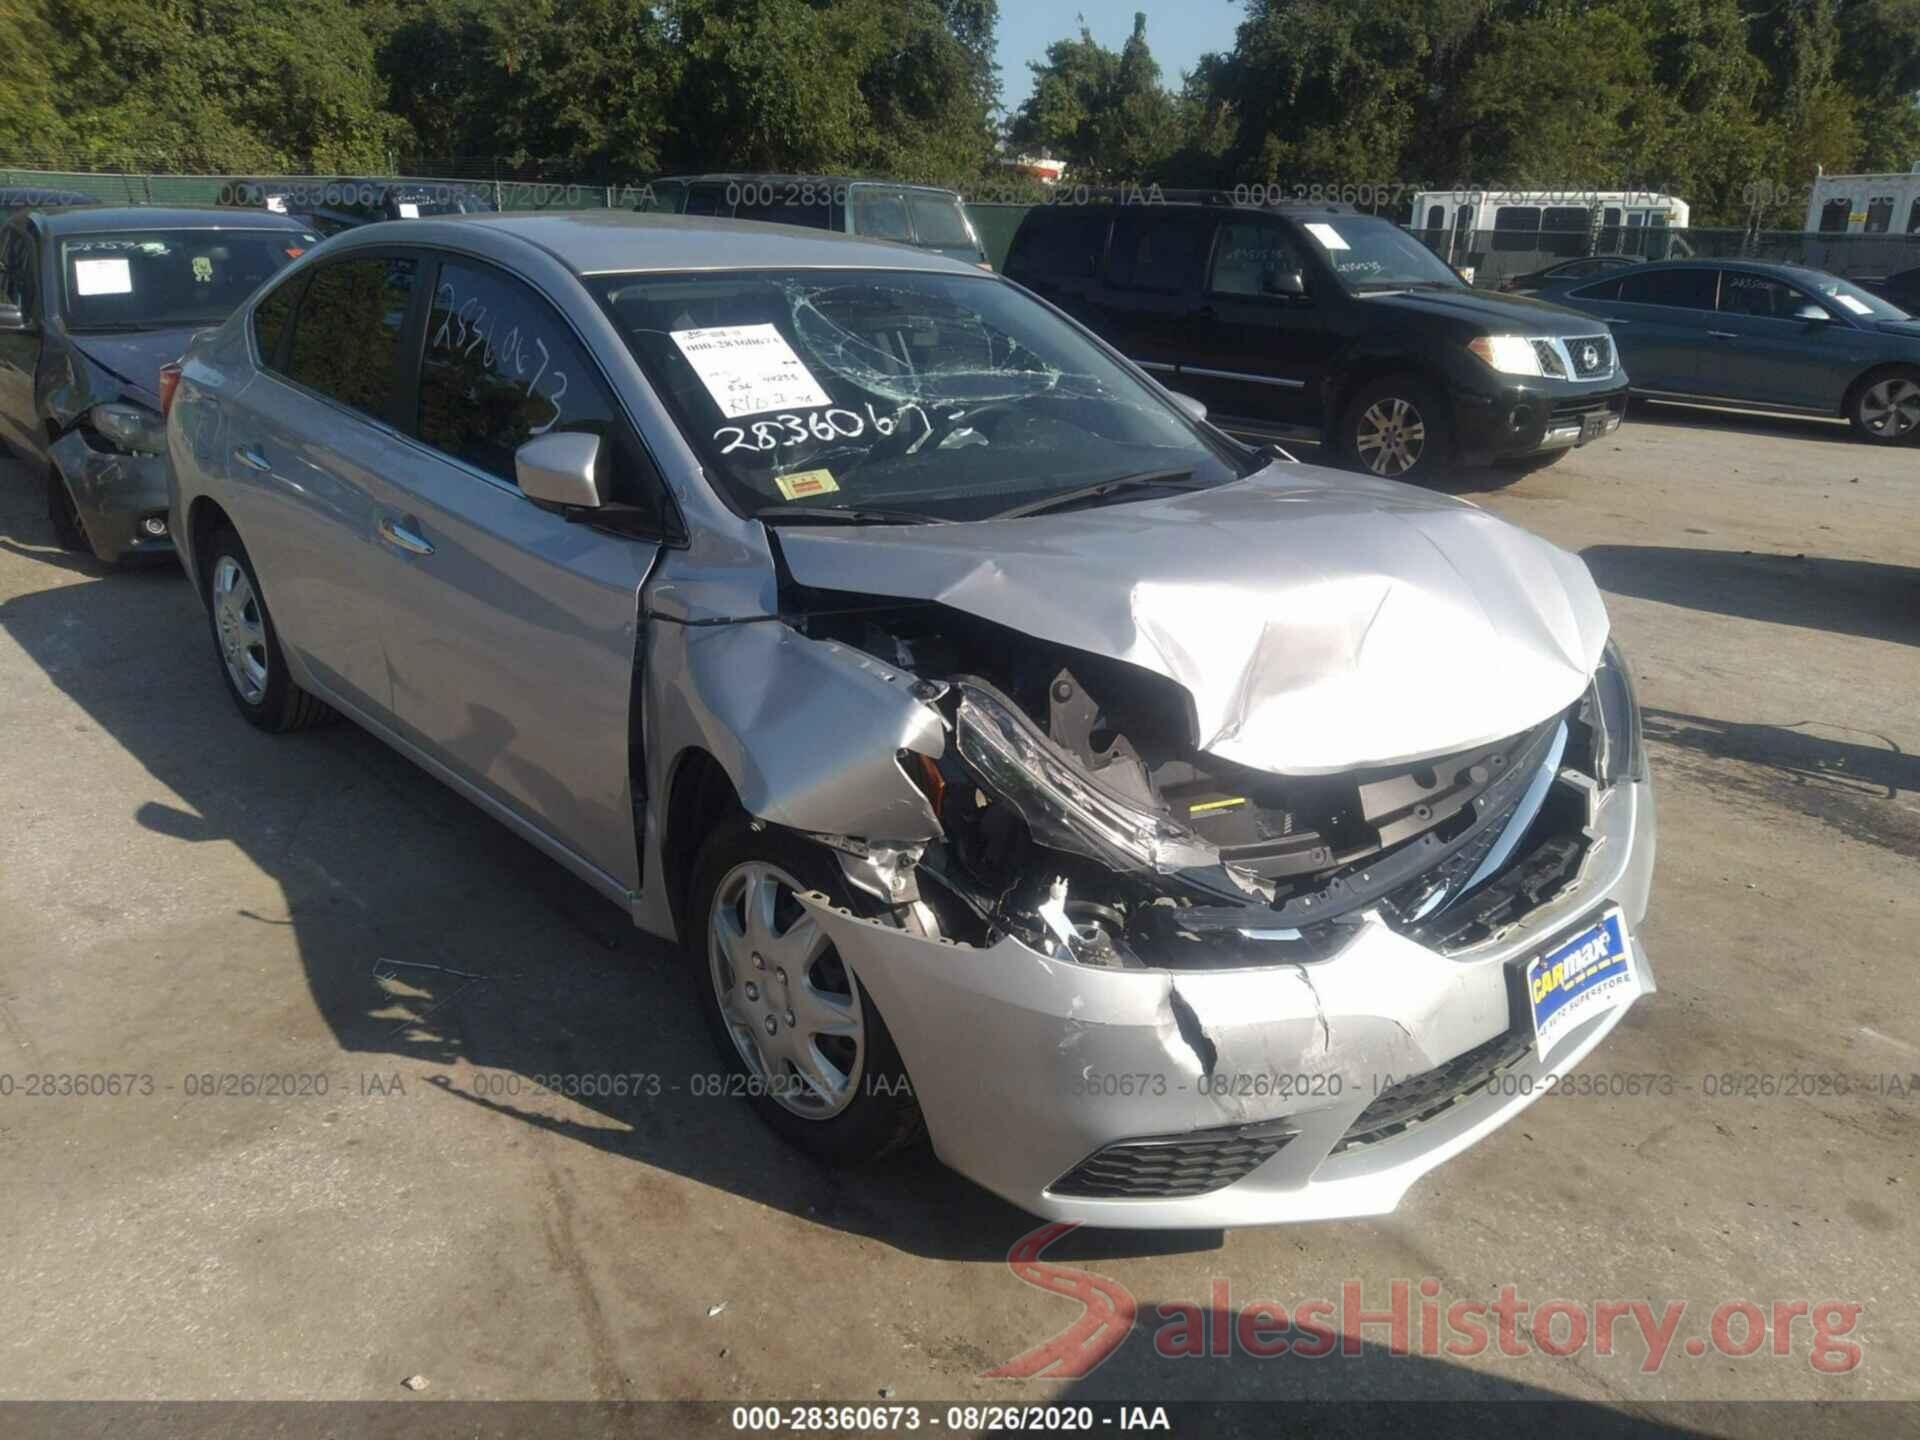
{"x":93,"y":303}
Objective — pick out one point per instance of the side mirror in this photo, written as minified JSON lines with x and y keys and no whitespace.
{"x":1812,"y":314}
{"x":13,"y":320}
{"x":1196,"y":412}
{"x":560,"y":469}
{"x":1286,"y":282}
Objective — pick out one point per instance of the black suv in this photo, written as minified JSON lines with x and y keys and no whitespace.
{"x":1317,"y":316}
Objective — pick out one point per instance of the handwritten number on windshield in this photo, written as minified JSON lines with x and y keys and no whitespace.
{"x":818,"y":425}
{"x":467,"y":326}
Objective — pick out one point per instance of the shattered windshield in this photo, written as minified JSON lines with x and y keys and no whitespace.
{"x":160,"y":279}
{"x":931,"y":396}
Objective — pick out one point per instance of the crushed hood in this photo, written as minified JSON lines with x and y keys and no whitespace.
{"x":1319,"y":620}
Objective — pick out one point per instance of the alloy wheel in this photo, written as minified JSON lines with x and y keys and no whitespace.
{"x":789,"y":1003}
{"x":241,"y":629}
{"x":1391,"y":436}
{"x":1891,"y":409}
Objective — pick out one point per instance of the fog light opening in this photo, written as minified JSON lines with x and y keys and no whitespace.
{"x":154,"y":527}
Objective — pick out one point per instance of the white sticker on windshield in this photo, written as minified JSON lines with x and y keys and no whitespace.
{"x":409,"y":210}
{"x":749,"y":369}
{"x":102,"y":277}
{"x":1854,"y":305}
{"x":1327,"y":236}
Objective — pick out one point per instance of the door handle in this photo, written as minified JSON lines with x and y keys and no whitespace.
{"x":401,"y":538}
{"x":251,"y":458}
{"x":1723,"y":334}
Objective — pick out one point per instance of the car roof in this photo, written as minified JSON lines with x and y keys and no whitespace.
{"x":781,"y":177}
{"x":92,"y":219}
{"x":1806,"y":274}
{"x":612,"y":242}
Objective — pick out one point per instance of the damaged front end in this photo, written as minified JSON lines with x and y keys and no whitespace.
{"x":1149,"y":986}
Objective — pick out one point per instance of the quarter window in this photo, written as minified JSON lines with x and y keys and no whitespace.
{"x":1879,"y":214}
{"x":346,"y":332}
{"x":937,"y":221}
{"x":271,"y":317}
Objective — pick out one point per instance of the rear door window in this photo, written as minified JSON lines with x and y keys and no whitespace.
{"x":707,"y":200}
{"x":1678,"y":289}
{"x":1601,"y":290}
{"x":938,"y":221}
{"x":346,"y":331}
{"x":1879,"y":215}
{"x":1162,"y":254}
{"x":1060,"y":244}
{"x":1833,"y":216}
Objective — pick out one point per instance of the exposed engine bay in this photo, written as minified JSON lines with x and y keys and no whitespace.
{"x":1077,"y":813}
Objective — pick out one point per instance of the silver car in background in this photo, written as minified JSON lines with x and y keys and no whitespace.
{"x":1179,"y":834}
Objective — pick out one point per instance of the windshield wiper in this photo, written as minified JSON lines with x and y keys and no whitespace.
{"x":1101,"y":489}
{"x":834,"y":515}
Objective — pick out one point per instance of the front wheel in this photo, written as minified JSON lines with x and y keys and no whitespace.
{"x":1887,"y":409}
{"x":799,"y":1034}
{"x":1396,"y":428}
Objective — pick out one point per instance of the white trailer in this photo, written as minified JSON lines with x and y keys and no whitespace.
{"x":1551,"y":222}
{"x":1887,"y":204}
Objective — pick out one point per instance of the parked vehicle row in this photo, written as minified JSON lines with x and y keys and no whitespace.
{"x":94,"y":301}
{"x":1316,"y":316}
{"x":1774,"y":336}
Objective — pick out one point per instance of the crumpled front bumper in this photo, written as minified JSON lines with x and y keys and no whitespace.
{"x":1026,"y":1065}
{"x":114,"y":493}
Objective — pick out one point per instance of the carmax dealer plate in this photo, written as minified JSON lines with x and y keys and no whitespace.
{"x":1588,"y":973}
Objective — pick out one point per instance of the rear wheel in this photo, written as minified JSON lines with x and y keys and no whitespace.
{"x":1396,"y":428}
{"x":248,"y":648}
{"x":793,"y":1023}
{"x":1886,"y":410}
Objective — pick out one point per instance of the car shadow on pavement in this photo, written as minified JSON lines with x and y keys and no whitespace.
{"x":1844,"y":597}
{"x":437,"y":944}
{"x":1880,"y":771}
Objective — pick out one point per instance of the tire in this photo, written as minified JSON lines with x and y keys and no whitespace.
{"x":246,"y":646}
{"x":873,"y":1113}
{"x":1885,"y":408}
{"x":69,"y":530}
{"x":1396,"y":428}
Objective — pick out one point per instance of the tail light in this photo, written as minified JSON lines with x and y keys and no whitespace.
{"x":169,"y":382}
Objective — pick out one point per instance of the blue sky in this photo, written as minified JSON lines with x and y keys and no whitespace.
{"x":1179,"y":34}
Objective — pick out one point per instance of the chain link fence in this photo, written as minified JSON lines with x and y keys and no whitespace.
{"x":1494,"y":256}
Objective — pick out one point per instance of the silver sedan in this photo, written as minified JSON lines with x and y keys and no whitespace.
{"x":1177,"y":834}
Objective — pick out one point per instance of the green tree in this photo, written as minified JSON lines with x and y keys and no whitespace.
{"x":1103,"y":111}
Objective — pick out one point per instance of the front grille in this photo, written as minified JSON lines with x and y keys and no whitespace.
{"x":1592,"y":356}
{"x":1171,"y":1167}
{"x":1418,"y":1098}
{"x":1573,"y":411}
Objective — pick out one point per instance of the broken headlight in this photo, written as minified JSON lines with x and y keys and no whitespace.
{"x":1063,"y":806}
{"x":1622,"y":755}
{"x":130,"y":428}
